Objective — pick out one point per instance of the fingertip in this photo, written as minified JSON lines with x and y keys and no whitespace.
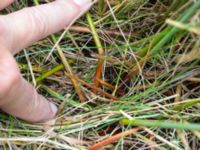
{"x":47,"y":114}
{"x":54,"y":109}
{"x":82,"y":2}
{"x":51,"y":115}
{"x":81,"y":5}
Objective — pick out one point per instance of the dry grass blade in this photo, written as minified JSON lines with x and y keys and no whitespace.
{"x":104,"y":31}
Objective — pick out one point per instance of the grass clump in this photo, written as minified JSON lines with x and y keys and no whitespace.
{"x":140,"y":55}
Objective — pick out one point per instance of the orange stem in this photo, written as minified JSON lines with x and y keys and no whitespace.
{"x":77,"y":87}
{"x":97,"y":89}
{"x":98,"y":74}
{"x":113,"y":139}
{"x":106,"y":84}
{"x":151,"y":139}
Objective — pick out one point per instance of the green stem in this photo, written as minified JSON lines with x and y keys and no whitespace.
{"x":101,"y":4}
{"x":48,"y":73}
{"x":187,"y":104}
{"x":161,"y":124}
{"x":36,"y":2}
{"x":95,"y":34}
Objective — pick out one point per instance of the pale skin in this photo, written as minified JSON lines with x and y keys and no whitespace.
{"x":19,"y":30}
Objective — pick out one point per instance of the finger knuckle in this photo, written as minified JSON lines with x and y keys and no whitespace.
{"x":37,"y":20}
{"x":3,"y":31}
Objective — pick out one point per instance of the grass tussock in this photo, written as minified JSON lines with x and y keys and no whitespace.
{"x":126,"y":76}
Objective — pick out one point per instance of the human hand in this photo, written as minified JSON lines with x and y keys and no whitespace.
{"x":19,"y":30}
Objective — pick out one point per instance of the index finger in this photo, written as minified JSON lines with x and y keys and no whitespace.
{"x":5,"y":3}
{"x":29,"y":25}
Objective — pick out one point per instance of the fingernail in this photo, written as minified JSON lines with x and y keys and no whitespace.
{"x":82,"y":2}
{"x":54,"y":108}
